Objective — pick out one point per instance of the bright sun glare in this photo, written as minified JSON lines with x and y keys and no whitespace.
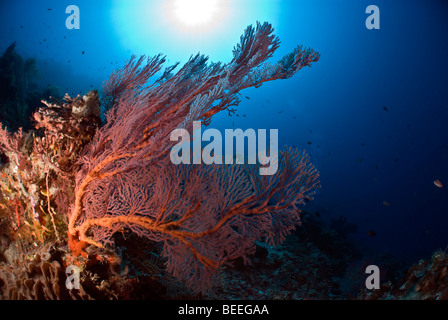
{"x":179,"y":28}
{"x":196,"y":13}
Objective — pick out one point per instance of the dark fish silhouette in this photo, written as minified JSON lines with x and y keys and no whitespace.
{"x":247,"y":98}
{"x":385,"y":109}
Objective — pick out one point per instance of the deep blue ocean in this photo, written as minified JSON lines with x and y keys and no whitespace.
{"x":372,"y":112}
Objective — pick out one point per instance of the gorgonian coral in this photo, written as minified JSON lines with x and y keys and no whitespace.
{"x":205,"y":217}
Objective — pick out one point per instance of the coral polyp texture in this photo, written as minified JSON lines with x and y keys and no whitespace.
{"x":82,"y":183}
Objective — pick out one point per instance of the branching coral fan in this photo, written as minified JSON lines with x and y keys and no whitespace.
{"x":205,"y":216}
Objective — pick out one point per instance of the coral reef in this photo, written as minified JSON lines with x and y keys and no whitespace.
{"x":101,"y":182}
{"x":38,"y":166}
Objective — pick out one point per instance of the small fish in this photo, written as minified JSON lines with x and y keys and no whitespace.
{"x":363,"y":144}
{"x":386,"y":203}
{"x":309,"y":142}
{"x":371,"y":233}
{"x":83,"y":52}
{"x":317,"y":214}
{"x":49,"y":9}
{"x":247,"y":98}
{"x":280,"y":112}
{"x":438,"y":183}
{"x":294,"y":117}
{"x":385,"y":109}
{"x":361,"y":160}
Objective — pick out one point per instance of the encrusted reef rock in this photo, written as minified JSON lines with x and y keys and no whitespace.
{"x":89,"y":107}
{"x":67,"y":127}
{"x":37,"y":167}
{"x":39,"y":277}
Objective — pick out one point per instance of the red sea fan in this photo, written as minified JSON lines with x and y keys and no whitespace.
{"x":205,"y":216}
